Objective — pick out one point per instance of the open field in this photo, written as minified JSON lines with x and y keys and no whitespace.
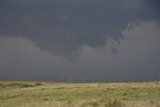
{"x":50,"y":94}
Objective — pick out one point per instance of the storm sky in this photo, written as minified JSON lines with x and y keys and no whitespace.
{"x":95,"y":40}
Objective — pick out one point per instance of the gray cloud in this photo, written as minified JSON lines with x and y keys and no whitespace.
{"x":138,"y":55}
{"x":137,"y":58}
{"x":112,"y":40}
{"x":64,"y":27}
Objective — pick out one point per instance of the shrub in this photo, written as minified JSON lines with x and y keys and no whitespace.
{"x":38,"y":83}
{"x":113,"y":103}
{"x":20,"y":84}
{"x":16,"y":85}
{"x":94,"y":103}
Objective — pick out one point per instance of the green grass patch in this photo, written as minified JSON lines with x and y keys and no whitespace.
{"x":48,"y":94}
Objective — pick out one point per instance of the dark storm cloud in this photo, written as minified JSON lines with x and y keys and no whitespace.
{"x":62,"y":27}
{"x":137,"y":58}
{"x":114,"y":40}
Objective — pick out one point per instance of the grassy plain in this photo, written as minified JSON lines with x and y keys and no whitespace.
{"x":52,"y":94}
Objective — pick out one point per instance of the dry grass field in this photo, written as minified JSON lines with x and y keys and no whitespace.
{"x":52,"y":94}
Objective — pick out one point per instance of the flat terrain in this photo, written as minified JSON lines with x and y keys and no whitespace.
{"x":51,"y":94}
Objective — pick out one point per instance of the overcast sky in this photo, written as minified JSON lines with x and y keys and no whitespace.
{"x":96,"y":40}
